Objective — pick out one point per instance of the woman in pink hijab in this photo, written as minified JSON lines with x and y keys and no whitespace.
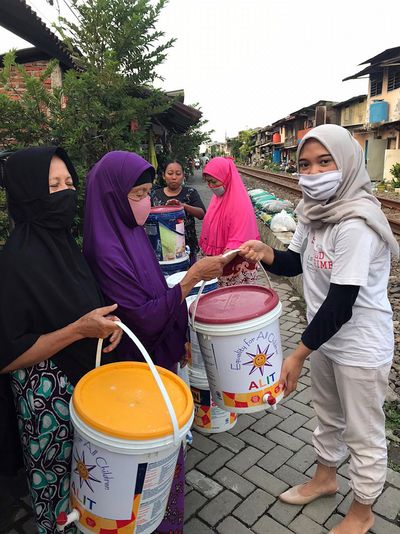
{"x":229,"y":221}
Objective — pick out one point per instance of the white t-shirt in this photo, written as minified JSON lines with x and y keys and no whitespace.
{"x":349,"y":253}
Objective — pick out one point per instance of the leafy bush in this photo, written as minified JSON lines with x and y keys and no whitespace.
{"x":395,"y":172}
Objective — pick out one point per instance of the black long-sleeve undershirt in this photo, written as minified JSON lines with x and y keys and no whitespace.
{"x":333,"y":313}
{"x":286,"y":263}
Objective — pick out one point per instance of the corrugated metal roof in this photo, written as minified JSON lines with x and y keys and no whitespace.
{"x":388,"y":58}
{"x":386,"y":54}
{"x":18,"y":17}
{"x":303,"y":111}
{"x":350,"y":100}
{"x":372,"y":69}
{"x":179,"y":117}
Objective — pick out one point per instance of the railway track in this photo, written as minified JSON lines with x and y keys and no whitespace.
{"x":291,"y":183}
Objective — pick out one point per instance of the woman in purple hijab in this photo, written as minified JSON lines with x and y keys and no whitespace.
{"x":126,"y":268}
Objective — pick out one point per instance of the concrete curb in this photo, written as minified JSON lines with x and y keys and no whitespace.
{"x":280,"y":241}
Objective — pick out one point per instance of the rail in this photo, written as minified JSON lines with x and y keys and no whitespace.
{"x":291,"y":183}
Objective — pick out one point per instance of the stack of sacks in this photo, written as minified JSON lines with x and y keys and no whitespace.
{"x":266,"y":206}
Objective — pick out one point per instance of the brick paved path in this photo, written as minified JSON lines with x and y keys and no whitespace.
{"x":234,"y":478}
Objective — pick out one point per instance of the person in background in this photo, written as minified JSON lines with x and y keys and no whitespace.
{"x":342,"y":246}
{"x":229,"y":221}
{"x":190,"y":165}
{"x":51,"y":314}
{"x":118,"y":250}
{"x":177,"y":194}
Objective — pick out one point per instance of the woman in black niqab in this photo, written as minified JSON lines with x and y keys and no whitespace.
{"x":50,"y":316}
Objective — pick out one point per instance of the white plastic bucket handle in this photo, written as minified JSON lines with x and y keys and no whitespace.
{"x":196,"y":302}
{"x":155,"y":374}
{"x":266,"y":274}
{"x":192,"y":318}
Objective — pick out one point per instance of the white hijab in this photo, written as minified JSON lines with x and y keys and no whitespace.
{"x":354,"y":197}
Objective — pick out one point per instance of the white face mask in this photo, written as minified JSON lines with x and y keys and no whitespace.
{"x":321,"y":186}
{"x":219,"y":191}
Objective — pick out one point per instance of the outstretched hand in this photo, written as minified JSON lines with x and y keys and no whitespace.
{"x":253,"y":250}
{"x":211,"y":267}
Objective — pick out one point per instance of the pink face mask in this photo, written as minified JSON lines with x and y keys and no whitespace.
{"x":140,"y":209}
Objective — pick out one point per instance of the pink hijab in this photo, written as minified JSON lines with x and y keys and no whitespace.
{"x":230,"y":219}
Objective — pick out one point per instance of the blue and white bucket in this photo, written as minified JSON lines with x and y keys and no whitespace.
{"x":196,"y":362}
{"x":209,"y":418}
{"x":170,"y":268}
{"x":177,"y":278}
{"x":165,"y":227}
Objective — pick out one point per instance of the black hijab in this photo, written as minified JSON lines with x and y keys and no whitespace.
{"x":45,"y":282}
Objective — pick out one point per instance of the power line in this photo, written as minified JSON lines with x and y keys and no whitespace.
{"x":39,"y":12}
{"x":71,"y":9}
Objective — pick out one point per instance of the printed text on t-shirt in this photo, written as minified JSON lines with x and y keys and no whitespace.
{"x":321,"y":262}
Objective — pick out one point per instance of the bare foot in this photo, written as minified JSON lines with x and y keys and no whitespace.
{"x":359,"y":520}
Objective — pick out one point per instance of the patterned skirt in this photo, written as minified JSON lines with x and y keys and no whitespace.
{"x":42,"y":394}
{"x":239,"y":271}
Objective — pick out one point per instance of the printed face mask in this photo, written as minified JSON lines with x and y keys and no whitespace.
{"x":321,"y":186}
{"x":219,"y":191}
{"x":140,"y":209}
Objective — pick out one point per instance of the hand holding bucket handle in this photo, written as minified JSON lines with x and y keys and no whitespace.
{"x":154,"y":371}
{"x":192,"y":319}
{"x":235,"y":251}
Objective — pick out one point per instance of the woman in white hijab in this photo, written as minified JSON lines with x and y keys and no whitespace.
{"x":342,"y":246}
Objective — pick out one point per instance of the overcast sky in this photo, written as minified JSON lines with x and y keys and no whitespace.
{"x":251,"y":62}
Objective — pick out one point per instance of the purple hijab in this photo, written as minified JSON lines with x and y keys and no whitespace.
{"x":125,"y":266}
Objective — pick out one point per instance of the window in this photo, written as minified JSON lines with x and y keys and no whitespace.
{"x":393,"y":78}
{"x":376,"y":83}
{"x":391,"y":143}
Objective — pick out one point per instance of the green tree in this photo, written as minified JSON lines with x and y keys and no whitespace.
{"x":395,"y":172}
{"x":118,"y":49}
{"x":246,"y":145}
{"x":96,"y":118}
{"x":29,"y":116}
{"x":117,"y":31}
{"x":186,"y":145}
{"x":99,"y":112}
{"x":235,"y":144}
{"x":242,"y":145}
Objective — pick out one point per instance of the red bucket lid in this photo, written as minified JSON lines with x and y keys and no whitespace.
{"x":235,"y":304}
{"x":166,"y":209}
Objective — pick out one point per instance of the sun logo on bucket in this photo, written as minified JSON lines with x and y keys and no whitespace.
{"x":83,"y":470}
{"x":259,"y":360}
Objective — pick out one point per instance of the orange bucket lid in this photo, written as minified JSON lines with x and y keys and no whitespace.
{"x":123,"y":400}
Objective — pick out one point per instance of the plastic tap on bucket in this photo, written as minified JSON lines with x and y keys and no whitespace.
{"x":154,"y":372}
